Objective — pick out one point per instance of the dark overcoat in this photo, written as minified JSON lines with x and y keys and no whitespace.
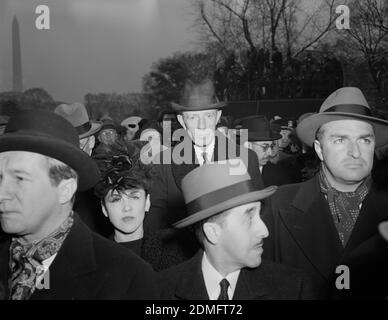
{"x":302,"y":234}
{"x":269,"y":281}
{"x":89,"y":266}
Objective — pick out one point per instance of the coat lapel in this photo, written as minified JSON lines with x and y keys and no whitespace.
{"x":191,"y":285}
{"x":364,"y":234}
{"x":310,"y":223}
{"x":250,"y":287}
{"x":4,"y":270}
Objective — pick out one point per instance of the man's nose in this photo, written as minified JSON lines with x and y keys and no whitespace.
{"x":262,"y":230}
{"x":354,"y":149}
{"x":5,"y":190}
{"x":201,"y":123}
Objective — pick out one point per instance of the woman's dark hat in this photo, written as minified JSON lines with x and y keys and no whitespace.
{"x":197,"y":97}
{"x":259,"y":128}
{"x":216,"y":187}
{"x":51,"y":135}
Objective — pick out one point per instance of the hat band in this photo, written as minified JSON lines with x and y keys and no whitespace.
{"x":215,"y":197}
{"x":350,"y":108}
{"x":84,"y":128}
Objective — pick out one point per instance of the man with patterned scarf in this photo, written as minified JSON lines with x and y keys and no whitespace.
{"x":49,"y":253}
{"x":328,"y":226}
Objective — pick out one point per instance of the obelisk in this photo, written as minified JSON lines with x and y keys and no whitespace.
{"x":16,"y":57}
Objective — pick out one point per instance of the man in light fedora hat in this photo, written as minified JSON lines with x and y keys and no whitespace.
{"x":198,"y":112}
{"x":77,"y":115}
{"x":262,"y":139}
{"x":223,"y":210}
{"x":327,"y":225}
{"x":48,"y":253}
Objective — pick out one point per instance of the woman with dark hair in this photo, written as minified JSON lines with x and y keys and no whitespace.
{"x":125,"y":199}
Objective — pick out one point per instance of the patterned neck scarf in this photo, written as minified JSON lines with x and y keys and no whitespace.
{"x":26,"y":260}
{"x":344,"y":206}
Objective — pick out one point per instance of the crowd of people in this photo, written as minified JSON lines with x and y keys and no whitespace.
{"x":195,"y":205}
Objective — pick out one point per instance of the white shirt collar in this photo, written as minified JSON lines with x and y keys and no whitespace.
{"x":213,"y":278}
{"x":209,"y":149}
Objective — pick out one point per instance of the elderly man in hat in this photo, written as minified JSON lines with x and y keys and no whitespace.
{"x":327,"y":225}
{"x":262,"y":139}
{"x":48,"y":252}
{"x":224,"y":212}
{"x":198,"y":113}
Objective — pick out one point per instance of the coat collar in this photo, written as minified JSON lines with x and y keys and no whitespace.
{"x":191,"y":285}
{"x":75,"y":258}
{"x":309,"y":220}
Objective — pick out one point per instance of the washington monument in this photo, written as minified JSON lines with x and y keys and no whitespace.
{"x":16,"y":57}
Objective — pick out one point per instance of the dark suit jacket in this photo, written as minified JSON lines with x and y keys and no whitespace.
{"x":88,"y":266}
{"x":275,"y":175}
{"x":269,"y":281}
{"x":302,"y":234}
{"x":167,"y":203}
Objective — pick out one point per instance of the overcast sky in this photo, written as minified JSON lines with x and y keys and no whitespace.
{"x":93,"y":45}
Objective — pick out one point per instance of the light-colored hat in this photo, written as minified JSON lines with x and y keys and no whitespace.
{"x":211,"y":189}
{"x":131,"y":122}
{"x":197,"y":97}
{"x":77,"y":115}
{"x":346,"y":103}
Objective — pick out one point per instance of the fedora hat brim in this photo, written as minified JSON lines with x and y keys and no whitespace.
{"x":96,"y":126}
{"x":255,"y":136}
{"x":69,"y":154}
{"x":179,"y":108}
{"x":307,"y":128}
{"x":223,"y":206}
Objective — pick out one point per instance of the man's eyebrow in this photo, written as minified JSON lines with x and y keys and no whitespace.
{"x":20,"y":171}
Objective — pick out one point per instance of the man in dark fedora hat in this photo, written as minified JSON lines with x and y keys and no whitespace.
{"x":223,"y":210}
{"x":327,"y":225}
{"x":262,"y":139}
{"x":49,"y":253}
{"x":198,"y":112}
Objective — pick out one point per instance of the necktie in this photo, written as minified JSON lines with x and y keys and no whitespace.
{"x":224,"y":284}
{"x":204,"y":156}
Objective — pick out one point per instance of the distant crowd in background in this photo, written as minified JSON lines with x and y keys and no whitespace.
{"x":261,"y":75}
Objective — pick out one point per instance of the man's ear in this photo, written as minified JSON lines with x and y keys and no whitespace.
{"x":148,"y":203}
{"x":181,"y":121}
{"x":104,"y":209}
{"x":66,"y":189}
{"x":318,"y":149}
{"x":212,"y":232}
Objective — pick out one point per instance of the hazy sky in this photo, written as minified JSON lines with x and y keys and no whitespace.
{"x":93,"y":45}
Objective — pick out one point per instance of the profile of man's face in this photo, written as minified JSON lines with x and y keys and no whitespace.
{"x":346,"y":148}
{"x":29,"y":201}
{"x":242,"y":235}
{"x":200,"y":125}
